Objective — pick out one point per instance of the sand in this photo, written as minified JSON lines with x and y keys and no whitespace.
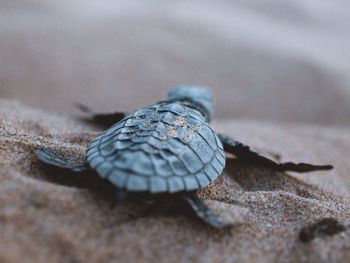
{"x":286,"y":64}
{"x":42,"y":220}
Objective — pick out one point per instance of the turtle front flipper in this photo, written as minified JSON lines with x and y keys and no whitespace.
{"x":247,"y":154}
{"x":105,"y":120}
{"x":202,"y":210}
{"x":50,"y":157}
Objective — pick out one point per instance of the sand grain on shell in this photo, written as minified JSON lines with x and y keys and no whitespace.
{"x":43,"y":221}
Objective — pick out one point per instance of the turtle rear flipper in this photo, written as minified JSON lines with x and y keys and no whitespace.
{"x":184,"y":204}
{"x":202,"y":210}
{"x":50,"y":157}
{"x":105,"y":120}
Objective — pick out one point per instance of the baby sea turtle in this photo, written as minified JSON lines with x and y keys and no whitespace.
{"x":166,"y":148}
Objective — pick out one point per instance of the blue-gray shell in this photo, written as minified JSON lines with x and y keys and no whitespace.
{"x":166,"y":147}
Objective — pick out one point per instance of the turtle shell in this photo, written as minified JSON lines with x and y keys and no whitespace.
{"x":166,"y":147}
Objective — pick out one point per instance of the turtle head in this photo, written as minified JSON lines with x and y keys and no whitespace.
{"x":199,"y":97}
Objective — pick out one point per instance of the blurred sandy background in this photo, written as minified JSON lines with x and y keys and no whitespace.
{"x":273,"y":60}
